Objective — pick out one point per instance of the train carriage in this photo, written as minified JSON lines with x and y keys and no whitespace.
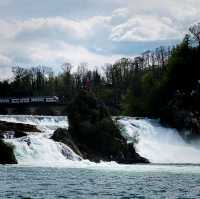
{"x":26,"y":100}
{"x":37,"y":99}
{"x":4,"y":101}
{"x":51,"y":99}
{"x":15,"y":101}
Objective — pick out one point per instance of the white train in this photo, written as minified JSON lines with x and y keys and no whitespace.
{"x":26,"y":100}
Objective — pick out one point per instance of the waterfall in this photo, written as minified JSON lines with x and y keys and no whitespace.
{"x":38,"y":148}
{"x":157,"y":143}
{"x":153,"y":141}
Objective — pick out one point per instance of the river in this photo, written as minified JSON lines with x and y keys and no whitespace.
{"x":44,"y":171}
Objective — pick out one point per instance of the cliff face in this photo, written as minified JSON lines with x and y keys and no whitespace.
{"x":95,"y":134}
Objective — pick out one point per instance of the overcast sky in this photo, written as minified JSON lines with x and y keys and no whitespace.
{"x":51,"y":32}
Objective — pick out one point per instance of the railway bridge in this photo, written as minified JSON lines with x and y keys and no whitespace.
{"x":40,"y":105}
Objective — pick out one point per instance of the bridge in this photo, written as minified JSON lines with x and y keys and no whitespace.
{"x":40,"y":105}
{"x":29,"y":100}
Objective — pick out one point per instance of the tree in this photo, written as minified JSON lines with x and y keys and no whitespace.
{"x":195,"y":31}
{"x":67,"y":67}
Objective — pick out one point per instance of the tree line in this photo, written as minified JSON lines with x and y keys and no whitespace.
{"x":140,"y":86}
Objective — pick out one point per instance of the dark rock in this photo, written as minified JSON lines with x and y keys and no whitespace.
{"x":9,"y":126}
{"x":95,"y":134}
{"x":16,"y":129}
{"x":178,"y":114}
{"x":62,"y":135}
{"x":10,"y":130}
{"x":7,"y":155}
{"x":129,"y":155}
{"x":19,"y":134}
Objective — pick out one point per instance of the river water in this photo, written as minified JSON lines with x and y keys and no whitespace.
{"x":136,"y":181}
{"x":49,"y":169}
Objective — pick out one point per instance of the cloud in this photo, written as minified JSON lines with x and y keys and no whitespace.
{"x":148,"y":21}
{"x":52,"y":27}
{"x":50,"y":32}
{"x":5,"y":69}
{"x":155,"y":20}
{"x":43,"y":53}
{"x":145,"y":28}
{"x":52,"y":41}
{"x":4,"y":60}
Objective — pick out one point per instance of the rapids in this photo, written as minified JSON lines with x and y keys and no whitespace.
{"x":156,"y":143}
{"x":159,"y":144}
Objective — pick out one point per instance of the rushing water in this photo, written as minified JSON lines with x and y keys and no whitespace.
{"x":158,"y":144}
{"x":49,"y":169}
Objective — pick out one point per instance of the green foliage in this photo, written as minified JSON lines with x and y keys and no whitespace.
{"x":152,"y":89}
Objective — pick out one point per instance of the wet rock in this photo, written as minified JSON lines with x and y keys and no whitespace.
{"x":16,"y":130}
{"x":7,"y":155}
{"x":62,"y":135}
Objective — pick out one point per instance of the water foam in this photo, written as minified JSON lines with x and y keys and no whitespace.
{"x":158,"y":144}
{"x":38,"y":149}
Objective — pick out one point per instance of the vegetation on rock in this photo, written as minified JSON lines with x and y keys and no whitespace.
{"x":95,"y":133}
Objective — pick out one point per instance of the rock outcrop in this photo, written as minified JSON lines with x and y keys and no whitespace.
{"x":12,"y":130}
{"x":7,"y":155}
{"x":9,"y":129}
{"x":94,"y":133}
{"x":63,"y":135}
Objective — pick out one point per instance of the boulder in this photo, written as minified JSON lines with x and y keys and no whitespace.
{"x":62,"y":135}
{"x":7,"y":155}
{"x":95,"y":134}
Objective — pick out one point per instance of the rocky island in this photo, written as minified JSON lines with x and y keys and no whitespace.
{"x":93,"y":134}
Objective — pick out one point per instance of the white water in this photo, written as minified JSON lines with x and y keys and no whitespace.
{"x":158,"y":144}
{"x":37,"y":148}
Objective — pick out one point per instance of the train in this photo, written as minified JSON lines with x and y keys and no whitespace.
{"x":28,"y":100}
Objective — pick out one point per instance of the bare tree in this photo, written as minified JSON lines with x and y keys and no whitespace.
{"x":146,"y":56}
{"x":195,"y":31}
{"x":82,"y":68}
{"x":67,"y":67}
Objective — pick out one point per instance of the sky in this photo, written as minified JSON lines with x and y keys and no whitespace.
{"x":50,"y":33}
